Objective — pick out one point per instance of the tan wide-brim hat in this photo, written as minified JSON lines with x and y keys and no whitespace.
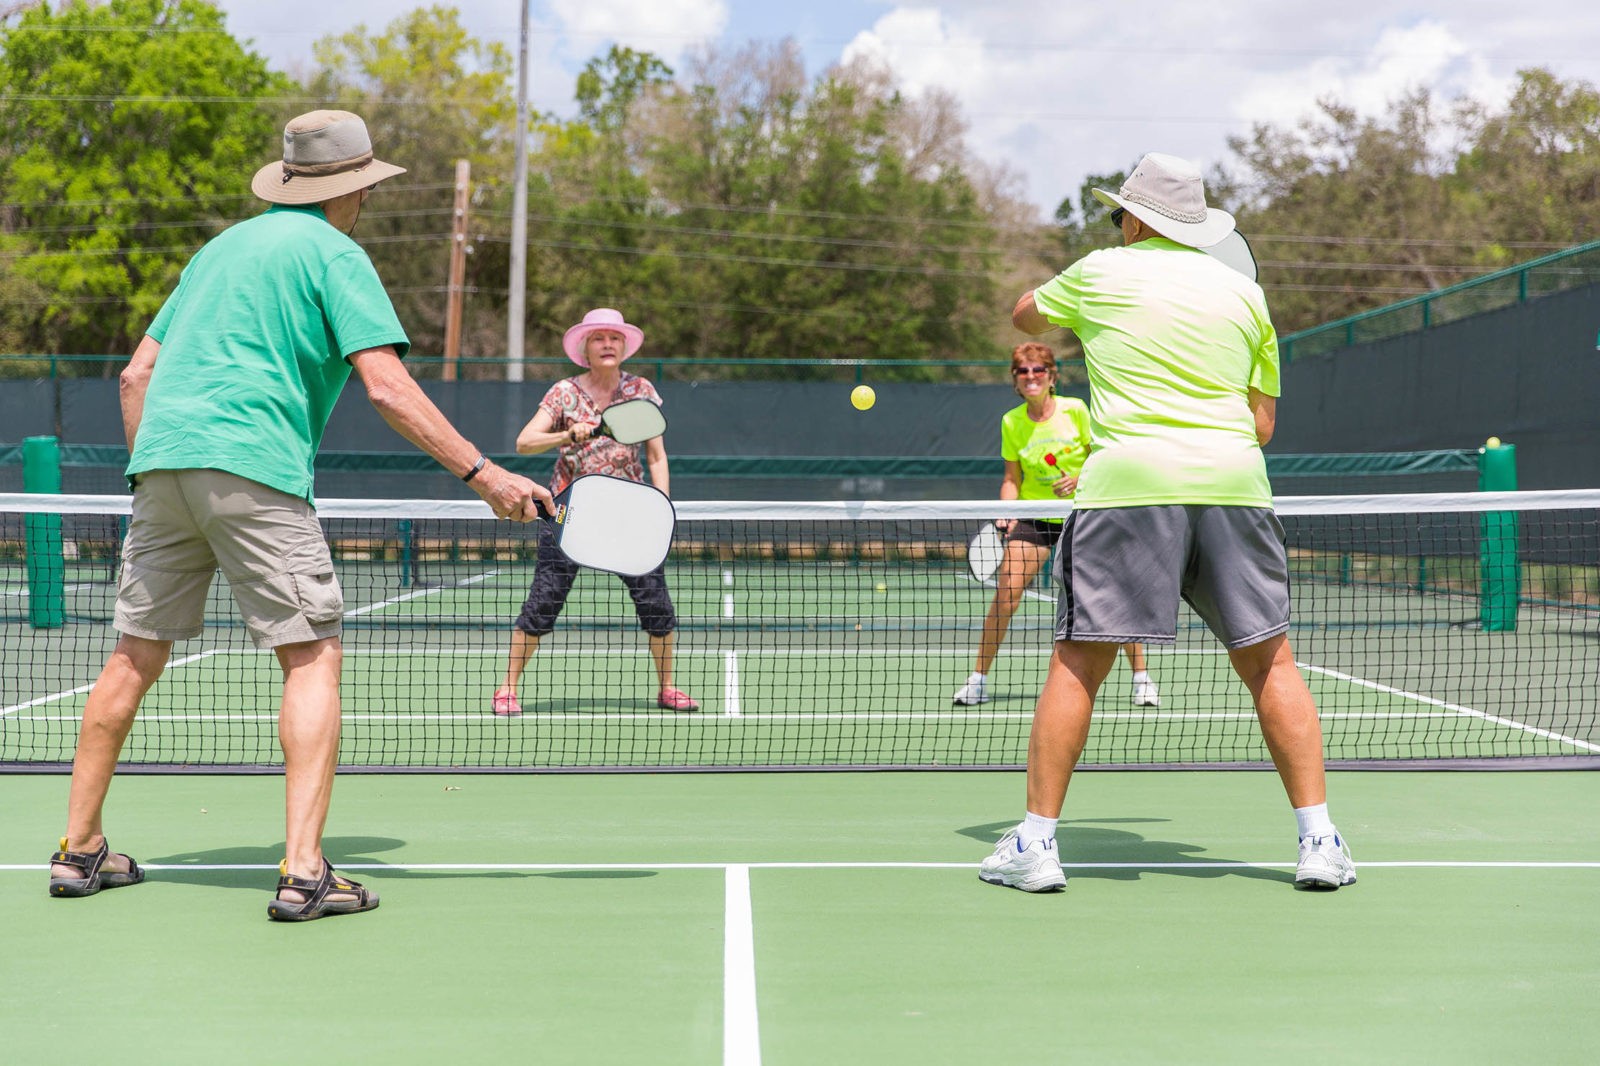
{"x":1167,"y":194}
{"x":601,"y":318}
{"x":325,"y":154}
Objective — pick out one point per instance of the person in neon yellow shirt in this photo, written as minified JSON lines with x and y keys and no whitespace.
{"x":1043,"y":441}
{"x":1172,"y":502}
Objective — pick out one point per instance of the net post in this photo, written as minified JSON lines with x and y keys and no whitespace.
{"x":408,"y":577}
{"x":46,"y":557}
{"x":1499,"y":572}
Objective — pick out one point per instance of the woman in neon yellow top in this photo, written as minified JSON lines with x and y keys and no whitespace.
{"x":1044,"y":442}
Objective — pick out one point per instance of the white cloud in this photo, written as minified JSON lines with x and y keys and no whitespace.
{"x":666,"y":28}
{"x":925,"y":51}
{"x":1428,"y":54}
{"x":1060,"y":91}
{"x":1055,"y":90}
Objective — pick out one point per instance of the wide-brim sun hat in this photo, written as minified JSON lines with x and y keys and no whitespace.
{"x":325,"y":154}
{"x":1167,"y":194}
{"x":601,"y":318}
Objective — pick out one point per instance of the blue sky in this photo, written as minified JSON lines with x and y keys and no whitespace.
{"x":1053,"y":90}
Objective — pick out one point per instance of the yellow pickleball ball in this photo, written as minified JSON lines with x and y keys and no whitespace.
{"x":1492,"y":442}
{"x":862,"y":397}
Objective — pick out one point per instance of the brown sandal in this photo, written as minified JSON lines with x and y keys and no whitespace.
{"x":95,"y":876}
{"x":317,"y":904}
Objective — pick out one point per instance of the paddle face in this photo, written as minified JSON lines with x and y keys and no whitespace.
{"x":984,"y":552}
{"x":633,"y":421}
{"x":613,"y":524}
{"x":1235,"y":251}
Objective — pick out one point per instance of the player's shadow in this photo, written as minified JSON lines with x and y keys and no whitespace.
{"x":1089,"y":841}
{"x":340,"y":851}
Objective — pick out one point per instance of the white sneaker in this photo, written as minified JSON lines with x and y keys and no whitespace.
{"x":976,"y":690}
{"x":1032,"y":869}
{"x":1145,"y":694}
{"x":1324,"y":863}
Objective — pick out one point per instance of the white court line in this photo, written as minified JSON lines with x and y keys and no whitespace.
{"x":22,"y":593}
{"x":392,"y":600}
{"x":1027,"y":593}
{"x":730,"y":667}
{"x":741,"y":1031}
{"x":971,"y":864}
{"x":730,"y":685}
{"x":54,"y":696}
{"x":533,"y":719}
{"x":1460,"y":710}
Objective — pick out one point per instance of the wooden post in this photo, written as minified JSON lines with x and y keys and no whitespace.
{"x":456,"y":291}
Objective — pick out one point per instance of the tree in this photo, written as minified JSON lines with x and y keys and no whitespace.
{"x":1356,"y":212}
{"x":746,"y":213}
{"x":128,"y":134}
{"x":430,"y":94}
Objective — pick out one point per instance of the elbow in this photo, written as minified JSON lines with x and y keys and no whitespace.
{"x":384,"y":397}
{"x":133,"y":379}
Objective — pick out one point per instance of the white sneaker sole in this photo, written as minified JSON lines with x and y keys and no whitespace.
{"x":1323,"y":882}
{"x":1051,"y":882}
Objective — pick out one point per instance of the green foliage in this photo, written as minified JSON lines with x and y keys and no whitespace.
{"x":126,"y":140}
{"x":430,"y":94}
{"x":738,"y":208}
{"x":1351,"y":212}
{"x":742,"y":212}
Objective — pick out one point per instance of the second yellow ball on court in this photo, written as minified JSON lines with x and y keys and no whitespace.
{"x":862,"y":397}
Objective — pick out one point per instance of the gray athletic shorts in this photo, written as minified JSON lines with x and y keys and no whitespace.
{"x":189,"y":523}
{"x":1121,"y":571}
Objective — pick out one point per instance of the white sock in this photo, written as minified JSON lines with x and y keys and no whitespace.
{"x":1035,"y":827}
{"x":1314,"y":821}
{"x":1141,"y":677}
{"x":975,"y":676}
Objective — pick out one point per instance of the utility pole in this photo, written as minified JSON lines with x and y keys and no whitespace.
{"x":455,"y":293}
{"x":519,"y":214}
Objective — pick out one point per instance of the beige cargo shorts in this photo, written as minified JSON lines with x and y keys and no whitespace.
{"x":188,"y":524}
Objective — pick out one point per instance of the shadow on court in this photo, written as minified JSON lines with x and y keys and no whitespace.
{"x":341,"y":851}
{"x":1088,"y":841}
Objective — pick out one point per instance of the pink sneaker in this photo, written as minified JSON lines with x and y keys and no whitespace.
{"x":675,"y":699}
{"x":506,"y":705}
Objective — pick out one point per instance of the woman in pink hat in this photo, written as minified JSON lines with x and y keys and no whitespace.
{"x":567,"y":418}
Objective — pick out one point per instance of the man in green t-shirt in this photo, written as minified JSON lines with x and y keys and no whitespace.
{"x":1172,"y":502}
{"x":224,"y":403}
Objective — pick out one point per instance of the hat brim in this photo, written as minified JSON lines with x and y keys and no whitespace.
{"x":572,"y":341}
{"x":268,"y":183}
{"x":1216,"y":226}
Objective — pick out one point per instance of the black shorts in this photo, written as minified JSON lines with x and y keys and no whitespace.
{"x":554,"y":574}
{"x":1041,"y":531}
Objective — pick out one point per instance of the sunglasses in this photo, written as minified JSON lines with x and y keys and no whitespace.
{"x":1029,"y":371}
{"x":1116,"y":216}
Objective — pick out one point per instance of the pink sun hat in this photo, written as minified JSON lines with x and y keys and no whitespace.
{"x":601,"y":318}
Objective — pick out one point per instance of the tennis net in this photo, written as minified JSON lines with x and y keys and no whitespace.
{"x":1441,"y":629}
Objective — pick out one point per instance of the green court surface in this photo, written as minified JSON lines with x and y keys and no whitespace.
{"x":806,"y":918}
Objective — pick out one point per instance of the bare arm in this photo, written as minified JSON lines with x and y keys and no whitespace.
{"x":133,"y":383}
{"x":407,"y":409}
{"x":1010,"y":489}
{"x":1265,"y":410}
{"x":655,"y":457}
{"x":1027,"y":317}
{"x":537,"y":436}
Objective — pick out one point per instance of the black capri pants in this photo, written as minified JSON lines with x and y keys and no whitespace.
{"x":554,"y":574}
